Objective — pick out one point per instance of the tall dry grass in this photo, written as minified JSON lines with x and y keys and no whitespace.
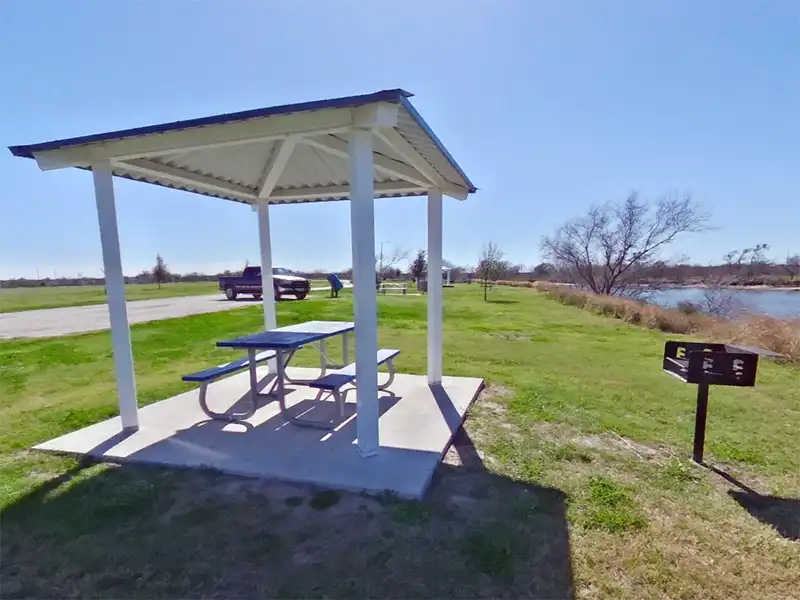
{"x":778,"y":335}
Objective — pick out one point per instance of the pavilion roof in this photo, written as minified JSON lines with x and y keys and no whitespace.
{"x":290,"y":153}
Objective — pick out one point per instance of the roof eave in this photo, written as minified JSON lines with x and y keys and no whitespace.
{"x":426,"y":128}
{"x":395,"y":96}
{"x":321,"y":116}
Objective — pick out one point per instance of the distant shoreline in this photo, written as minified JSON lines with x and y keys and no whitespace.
{"x":743,"y":288}
{"x":702,"y":286}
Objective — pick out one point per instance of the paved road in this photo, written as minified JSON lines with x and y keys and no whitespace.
{"x":54,"y":322}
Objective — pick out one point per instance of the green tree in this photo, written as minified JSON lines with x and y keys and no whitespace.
{"x":161,"y":273}
{"x":419,"y":266}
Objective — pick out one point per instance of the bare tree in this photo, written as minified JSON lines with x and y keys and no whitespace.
{"x":747,"y":262}
{"x":491,"y":266}
{"x":720,"y":302}
{"x":718,"y":299}
{"x":616,"y":243}
{"x":792,"y":266}
{"x":386,"y":261}
{"x":160,"y":271}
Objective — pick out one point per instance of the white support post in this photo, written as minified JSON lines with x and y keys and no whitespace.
{"x":362,"y":230}
{"x":434,"y":287}
{"x":267,"y":290}
{"x":115,"y":294}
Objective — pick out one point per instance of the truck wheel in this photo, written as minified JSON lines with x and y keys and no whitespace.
{"x":230,"y":293}
{"x":301,"y":296}
{"x":257,"y":296}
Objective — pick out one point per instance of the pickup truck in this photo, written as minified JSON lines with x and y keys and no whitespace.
{"x":249,"y":282}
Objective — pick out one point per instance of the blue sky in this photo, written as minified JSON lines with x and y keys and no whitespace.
{"x":548,"y":107}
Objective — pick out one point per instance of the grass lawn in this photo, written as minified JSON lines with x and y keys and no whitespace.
{"x":16,"y":299}
{"x":571,"y":478}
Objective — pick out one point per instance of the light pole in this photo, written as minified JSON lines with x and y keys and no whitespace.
{"x":380,"y":262}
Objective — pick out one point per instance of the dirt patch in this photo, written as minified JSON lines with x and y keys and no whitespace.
{"x":556,"y":433}
{"x":493,"y":400}
{"x":615,"y":443}
{"x":19,"y":456}
{"x":514,"y":335}
{"x":495,"y":390}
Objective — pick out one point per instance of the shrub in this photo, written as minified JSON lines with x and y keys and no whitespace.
{"x":778,"y":335}
{"x":511,"y":283}
{"x":688,"y":308}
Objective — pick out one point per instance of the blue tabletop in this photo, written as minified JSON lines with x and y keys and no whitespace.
{"x":276,"y":340}
{"x":289,"y":338}
{"x":326,"y":327}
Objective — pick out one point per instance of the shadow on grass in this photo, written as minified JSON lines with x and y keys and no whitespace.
{"x":502,"y":301}
{"x":145,"y":531}
{"x":782,"y":514}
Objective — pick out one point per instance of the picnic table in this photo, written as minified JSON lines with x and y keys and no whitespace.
{"x":285,"y":342}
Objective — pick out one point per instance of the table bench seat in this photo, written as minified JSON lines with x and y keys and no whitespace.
{"x":343,"y":376}
{"x":333,"y":382}
{"x":209,"y":376}
{"x":214,"y":373}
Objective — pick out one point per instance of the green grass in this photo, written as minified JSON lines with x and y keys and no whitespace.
{"x":17,"y":299}
{"x":609,"y":506}
{"x":578,"y":485}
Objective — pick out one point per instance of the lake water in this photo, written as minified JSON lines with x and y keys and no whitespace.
{"x":777,"y":303}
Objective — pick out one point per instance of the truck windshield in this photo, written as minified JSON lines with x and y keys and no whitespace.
{"x":280,"y":271}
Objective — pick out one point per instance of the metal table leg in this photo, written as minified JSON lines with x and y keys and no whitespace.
{"x":251,"y":367}
{"x":281,"y":393}
{"x":254,"y":395}
{"x":280,"y":388}
{"x":324,"y":363}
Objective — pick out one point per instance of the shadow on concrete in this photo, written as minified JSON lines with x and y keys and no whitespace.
{"x":109,"y":443}
{"x":265,"y":385}
{"x":782,"y":514}
{"x":446,"y":407}
{"x":275,"y":433}
{"x":278,"y":450}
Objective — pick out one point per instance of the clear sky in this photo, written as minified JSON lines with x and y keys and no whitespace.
{"x":547,"y":106}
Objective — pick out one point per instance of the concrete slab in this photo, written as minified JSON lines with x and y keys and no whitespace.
{"x":417,"y":425}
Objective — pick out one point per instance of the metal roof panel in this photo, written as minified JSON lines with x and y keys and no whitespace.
{"x":234,"y":169}
{"x":394,"y":96}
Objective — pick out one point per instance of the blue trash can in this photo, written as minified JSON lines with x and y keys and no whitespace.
{"x":336,"y":285}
